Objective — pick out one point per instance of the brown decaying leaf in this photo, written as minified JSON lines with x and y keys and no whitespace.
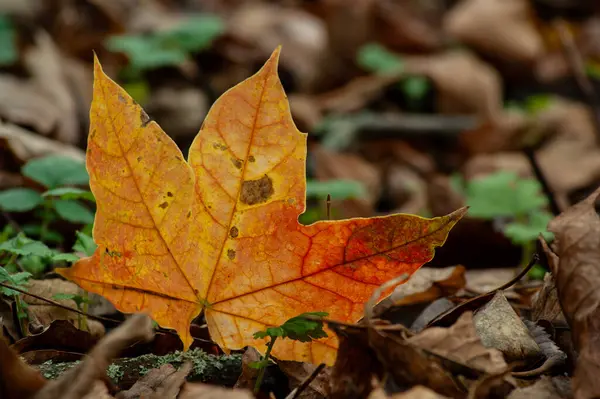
{"x":44,"y":313}
{"x":498,"y":326}
{"x":164,"y":382}
{"x":465,"y":84}
{"x":499,"y":28}
{"x":461,"y":343}
{"x":577,"y":243}
{"x":426,"y":285}
{"x":356,"y":365}
{"x":248,"y":376}
{"x":417,"y":392}
{"x":297,"y":372}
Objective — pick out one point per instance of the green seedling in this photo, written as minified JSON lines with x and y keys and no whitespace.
{"x":171,"y":47}
{"x":298,"y":328}
{"x":57,"y":202}
{"x":375,"y":58}
{"x":519,"y":201}
{"x":18,"y":279}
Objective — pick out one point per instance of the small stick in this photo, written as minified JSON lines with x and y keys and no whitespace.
{"x":539,"y":174}
{"x":298,"y":390}
{"x":60,"y":305}
{"x":328,"y":205}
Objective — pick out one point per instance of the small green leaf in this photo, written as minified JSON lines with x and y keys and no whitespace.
{"x":73,"y":211}
{"x":22,"y":245}
{"x":16,"y":279}
{"x":297,"y":328}
{"x":521,"y":233}
{"x":167,"y":47}
{"x":70,"y":193}
{"x":19,"y":199}
{"x":339,"y":189}
{"x":374,"y":57}
{"x":415,"y":87}
{"x":56,"y":170}
{"x":503,"y":194}
{"x":84,"y":244}
{"x":33,"y":264}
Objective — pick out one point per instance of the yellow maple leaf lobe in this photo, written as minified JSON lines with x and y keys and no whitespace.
{"x":228,"y":239}
{"x":146,"y":259}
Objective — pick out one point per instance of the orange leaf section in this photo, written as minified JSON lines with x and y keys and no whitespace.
{"x":224,"y":235}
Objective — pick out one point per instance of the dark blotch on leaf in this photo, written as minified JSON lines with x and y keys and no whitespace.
{"x":139,"y":159}
{"x":164,"y":205}
{"x":256,"y":191}
{"x":237,"y":163}
{"x":231,"y":254}
{"x":219,"y":146}
{"x":169,"y":194}
{"x":251,"y":158}
{"x":121,"y":98}
{"x":189,"y":214}
{"x":144,"y":118}
{"x":233,"y":232}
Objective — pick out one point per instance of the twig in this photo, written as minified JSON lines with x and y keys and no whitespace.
{"x":539,"y":174}
{"x":534,"y":259}
{"x":60,"y":305}
{"x":298,"y":390}
{"x":576,"y":64}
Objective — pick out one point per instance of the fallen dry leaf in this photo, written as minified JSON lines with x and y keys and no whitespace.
{"x":465,"y":84}
{"x":418,"y":392}
{"x":297,"y":372}
{"x":205,"y":391}
{"x":577,"y":239}
{"x":498,"y":326}
{"x":461,"y":342}
{"x":221,"y":233}
{"x":44,"y":313}
{"x":499,"y":28}
{"x":425,"y":285}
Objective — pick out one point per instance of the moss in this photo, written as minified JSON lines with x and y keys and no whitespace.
{"x":221,"y":370}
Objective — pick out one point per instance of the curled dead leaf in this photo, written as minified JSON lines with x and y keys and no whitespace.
{"x":577,"y":239}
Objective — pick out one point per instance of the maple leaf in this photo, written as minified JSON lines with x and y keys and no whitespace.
{"x":220,"y":232}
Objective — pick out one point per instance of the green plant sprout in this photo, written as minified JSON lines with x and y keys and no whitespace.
{"x":22,"y":258}
{"x":298,"y":328}
{"x":518,"y":200}
{"x":167,"y":47}
{"x":375,"y":58}
{"x":18,"y":279}
{"x":57,"y":202}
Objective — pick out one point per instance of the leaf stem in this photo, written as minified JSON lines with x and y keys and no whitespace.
{"x":264,"y":363}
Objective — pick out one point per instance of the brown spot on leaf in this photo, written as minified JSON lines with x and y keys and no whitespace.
{"x":139,"y":159}
{"x":121,"y":98}
{"x":237,"y":162}
{"x":256,"y":191}
{"x":233,"y":232}
{"x":231,"y":254}
{"x":144,"y":118}
{"x":164,"y":205}
{"x":169,"y":194}
{"x":189,"y":214}
{"x":251,"y":158}
{"x":219,"y":146}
